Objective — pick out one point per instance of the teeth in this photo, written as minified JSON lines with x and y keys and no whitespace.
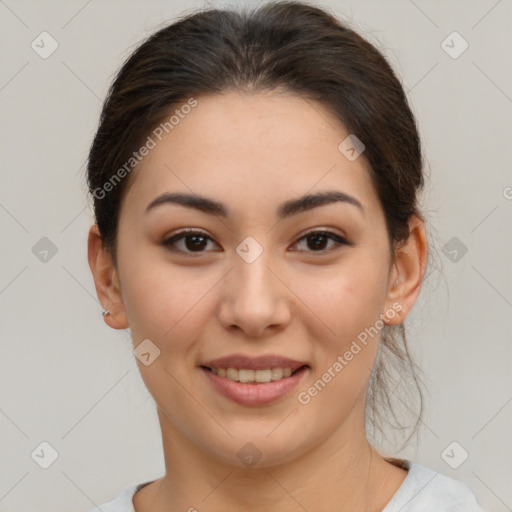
{"x":276,"y":373}
{"x":231,"y":374}
{"x":243,"y":375}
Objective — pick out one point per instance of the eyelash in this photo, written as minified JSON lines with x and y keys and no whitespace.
{"x":168,"y":243}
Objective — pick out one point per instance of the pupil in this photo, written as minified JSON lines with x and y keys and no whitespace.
{"x":195,"y":245}
{"x":316,"y":244}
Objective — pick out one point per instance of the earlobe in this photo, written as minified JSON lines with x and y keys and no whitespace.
{"x":408,"y":270}
{"x":106,"y":281}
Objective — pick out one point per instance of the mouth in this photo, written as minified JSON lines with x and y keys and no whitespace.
{"x":251,"y":387}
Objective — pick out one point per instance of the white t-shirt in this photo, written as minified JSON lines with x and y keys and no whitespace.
{"x":423,"y":490}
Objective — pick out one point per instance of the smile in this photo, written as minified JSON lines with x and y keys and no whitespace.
{"x":254,"y":387}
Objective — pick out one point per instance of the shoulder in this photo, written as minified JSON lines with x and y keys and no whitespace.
{"x":121,"y":503}
{"x":426,"y":489}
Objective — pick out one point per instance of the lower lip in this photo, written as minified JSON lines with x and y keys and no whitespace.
{"x":258,"y":393}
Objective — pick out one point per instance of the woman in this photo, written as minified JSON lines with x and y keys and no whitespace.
{"x":255,"y":179}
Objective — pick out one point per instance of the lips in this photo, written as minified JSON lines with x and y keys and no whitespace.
{"x":242,"y":361}
{"x":255,"y":394}
{"x":286,"y":374}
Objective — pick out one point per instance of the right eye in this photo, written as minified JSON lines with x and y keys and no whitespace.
{"x":191,"y":242}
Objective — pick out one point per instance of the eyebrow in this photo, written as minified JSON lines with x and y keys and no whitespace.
{"x":288,"y":208}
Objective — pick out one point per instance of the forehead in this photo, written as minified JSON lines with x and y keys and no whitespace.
{"x":249,"y":149}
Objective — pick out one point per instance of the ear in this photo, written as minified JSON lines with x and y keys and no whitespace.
{"x":408,"y":269}
{"x":106,"y":280}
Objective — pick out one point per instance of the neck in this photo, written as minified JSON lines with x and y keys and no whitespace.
{"x":342,"y":474}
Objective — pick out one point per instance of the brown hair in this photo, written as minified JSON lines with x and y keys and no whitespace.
{"x":286,"y":45}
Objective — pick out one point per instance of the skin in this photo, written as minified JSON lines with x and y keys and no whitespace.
{"x":253,"y":152}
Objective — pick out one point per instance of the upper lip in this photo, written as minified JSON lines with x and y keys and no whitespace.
{"x":254,"y":362}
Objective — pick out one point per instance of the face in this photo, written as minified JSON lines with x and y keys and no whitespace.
{"x":255,"y":280}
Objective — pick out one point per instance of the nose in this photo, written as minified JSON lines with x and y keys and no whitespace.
{"x":255,"y":298}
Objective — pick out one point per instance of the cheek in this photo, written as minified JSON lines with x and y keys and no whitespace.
{"x":163,"y":302}
{"x":171,"y":309}
{"x":346,"y":302}
{"x":346,"y":298}
{"x":347,"y":305}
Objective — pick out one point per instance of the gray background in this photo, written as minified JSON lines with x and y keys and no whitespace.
{"x":69,"y":380}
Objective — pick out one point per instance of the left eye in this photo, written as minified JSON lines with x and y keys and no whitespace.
{"x":195,"y":241}
{"x":319,"y":239}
